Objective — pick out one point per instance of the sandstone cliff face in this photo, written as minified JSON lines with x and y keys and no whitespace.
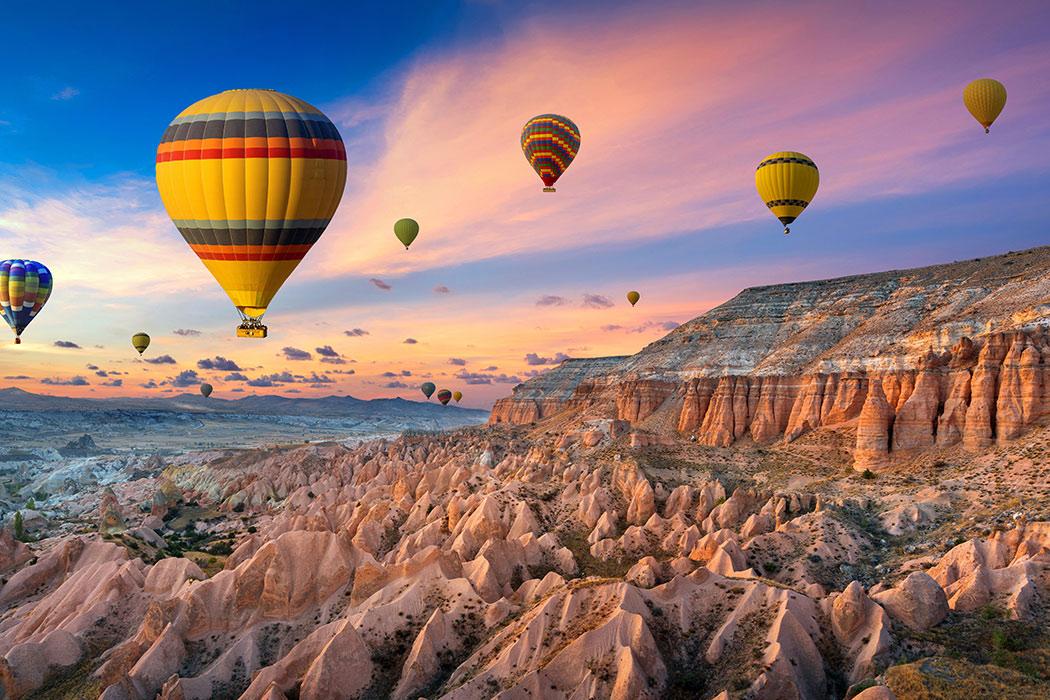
{"x":550,"y":392}
{"x":777,"y":362}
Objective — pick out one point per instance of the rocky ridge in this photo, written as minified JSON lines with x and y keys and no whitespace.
{"x":909,"y":360}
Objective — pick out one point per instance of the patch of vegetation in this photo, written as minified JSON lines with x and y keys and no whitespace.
{"x":990,"y":638}
{"x":589,"y":565}
{"x":940,"y":678}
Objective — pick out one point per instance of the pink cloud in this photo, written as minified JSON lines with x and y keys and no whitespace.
{"x":675,"y":110}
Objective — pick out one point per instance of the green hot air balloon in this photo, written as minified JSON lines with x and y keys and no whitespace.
{"x":406,"y":231}
{"x":428,"y":389}
{"x":206,"y":389}
{"x":140,"y":341}
{"x":633,"y":297}
{"x":444,"y":396}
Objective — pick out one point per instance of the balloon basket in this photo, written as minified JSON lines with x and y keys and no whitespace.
{"x":251,"y":331}
{"x":549,"y":189}
{"x":18,"y":341}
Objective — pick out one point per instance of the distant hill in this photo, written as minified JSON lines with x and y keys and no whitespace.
{"x":14,"y":399}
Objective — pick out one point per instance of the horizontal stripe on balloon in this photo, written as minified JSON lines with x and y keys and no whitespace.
{"x":329,"y":151}
{"x":251,"y":128}
{"x":268,"y":224}
{"x":251,"y":237}
{"x":250,"y":253}
{"x":212,"y":116}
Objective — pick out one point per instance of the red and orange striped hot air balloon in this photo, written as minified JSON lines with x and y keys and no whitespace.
{"x":251,"y":179}
{"x":550,"y":142}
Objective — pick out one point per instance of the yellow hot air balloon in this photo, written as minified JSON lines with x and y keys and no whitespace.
{"x":633,"y":297}
{"x":140,"y":341}
{"x":985,"y":98}
{"x":787,"y":182}
{"x":251,"y":179}
{"x":457,"y":395}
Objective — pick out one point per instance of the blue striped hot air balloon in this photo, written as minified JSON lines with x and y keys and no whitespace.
{"x":25,"y":286}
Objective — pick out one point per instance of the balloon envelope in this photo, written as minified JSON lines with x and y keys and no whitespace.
{"x":786,"y":182}
{"x":428,"y":389}
{"x":550,"y":142}
{"x":25,"y":286}
{"x":633,"y":297}
{"x":251,"y":179}
{"x":985,"y":99}
{"x":406,"y":231}
{"x":457,"y":395}
{"x":444,"y":396}
{"x":140,"y":341}
{"x":206,"y":389}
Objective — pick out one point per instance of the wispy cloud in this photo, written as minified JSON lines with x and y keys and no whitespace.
{"x":291,"y":353}
{"x":219,"y":363}
{"x":65,"y":94}
{"x":596,"y":301}
{"x":160,"y":360}
{"x":71,"y":381}
{"x":69,"y":344}
{"x":380,"y":284}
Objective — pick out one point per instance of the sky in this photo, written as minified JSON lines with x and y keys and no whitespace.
{"x":676,"y":103}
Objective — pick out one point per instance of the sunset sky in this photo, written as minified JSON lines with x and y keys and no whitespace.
{"x":677,"y":103}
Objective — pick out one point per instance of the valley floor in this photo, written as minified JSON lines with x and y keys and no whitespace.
{"x":512,"y":563}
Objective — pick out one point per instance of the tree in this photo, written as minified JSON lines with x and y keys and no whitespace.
{"x":20,"y":529}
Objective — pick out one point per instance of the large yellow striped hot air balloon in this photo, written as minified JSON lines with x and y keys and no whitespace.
{"x":251,"y":179}
{"x":787,"y":182}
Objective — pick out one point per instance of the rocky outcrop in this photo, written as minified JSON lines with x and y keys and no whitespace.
{"x":551,"y":391}
{"x":968,"y":364}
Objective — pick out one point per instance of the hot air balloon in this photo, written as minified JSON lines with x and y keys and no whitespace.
{"x":457,"y":395}
{"x":550,"y":142}
{"x":251,"y":179}
{"x":428,"y":389}
{"x":140,"y":341}
{"x":444,"y":396}
{"x":25,"y":286}
{"x":633,"y":297}
{"x":985,"y":98}
{"x":787,"y":181}
{"x":206,"y":389}
{"x":406,"y":231}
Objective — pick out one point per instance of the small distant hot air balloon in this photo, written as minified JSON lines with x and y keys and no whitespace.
{"x":140,"y":341}
{"x":206,"y":389}
{"x":444,"y":396}
{"x":251,"y":179}
{"x":633,"y":297}
{"x":787,"y":182}
{"x":457,"y":395}
{"x":406,"y":231}
{"x":985,"y":98}
{"x":25,"y":286}
{"x":550,"y":142}
{"x":428,"y":389}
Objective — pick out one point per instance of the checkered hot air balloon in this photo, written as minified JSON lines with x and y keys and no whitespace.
{"x":550,"y":142}
{"x":25,"y":286}
{"x":251,"y":179}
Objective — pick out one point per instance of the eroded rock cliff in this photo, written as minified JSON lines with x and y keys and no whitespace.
{"x":915,"y":359}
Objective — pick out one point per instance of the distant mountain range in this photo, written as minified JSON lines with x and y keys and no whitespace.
{"x":14,"y":399}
